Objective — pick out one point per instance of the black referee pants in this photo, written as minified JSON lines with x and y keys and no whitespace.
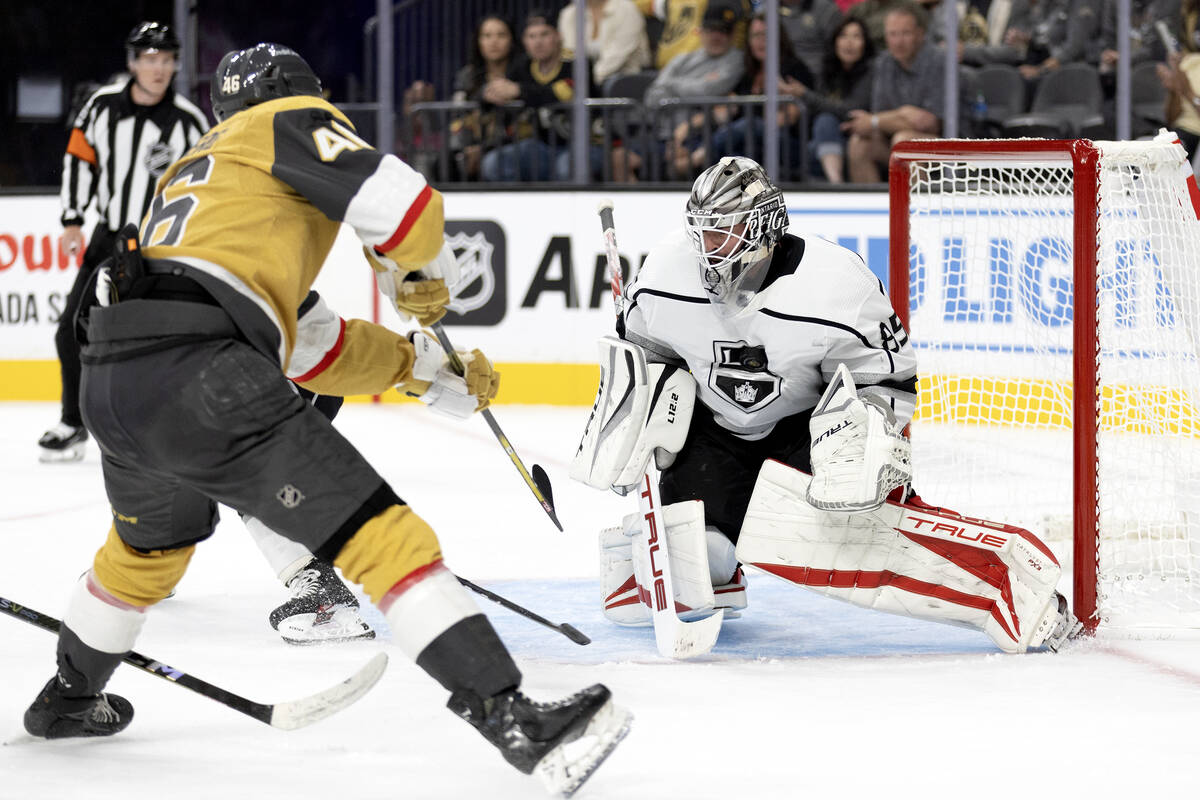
{"x":100,"y":247}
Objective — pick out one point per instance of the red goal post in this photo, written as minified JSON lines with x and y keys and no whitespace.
{"x":1042,"y":408}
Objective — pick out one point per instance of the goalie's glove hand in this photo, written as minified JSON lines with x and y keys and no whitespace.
{"x":436,"y":384}
{"x":859,"y":452}
{"x":421,"y":294}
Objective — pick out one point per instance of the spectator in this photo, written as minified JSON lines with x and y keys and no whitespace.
{"x":1144,"y":42}
{"x":489,"y":57}
{"x":541,"y":79}
{"x":680,"y":31}
{"x":1007,"y":24}
{"x":810,"y":25}
{"x":733,"y":137}
{"x":844,"y":85}
{"x":714,"y":69}
{"x":872,"y":14}
{"x":1059,"y":32}
{"x":972,"y":23}
{"x":616,"y":38}
{"x":906,"y":96}
{"x":1181,"y":78}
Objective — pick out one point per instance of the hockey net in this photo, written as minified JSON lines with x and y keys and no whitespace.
{"x":1052,"y":290}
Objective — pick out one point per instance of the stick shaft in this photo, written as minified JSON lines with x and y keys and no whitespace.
{"x":259,"y":711}
{"x":456,"y":363}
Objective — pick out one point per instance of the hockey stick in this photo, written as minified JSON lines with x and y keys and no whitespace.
{"x":570,"y":631}
{"x":538,"y":482}
{"x":673,"y":637}
{"x":286,"y":716}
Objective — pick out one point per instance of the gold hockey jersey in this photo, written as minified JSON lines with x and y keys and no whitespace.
{"x":253,"y":208}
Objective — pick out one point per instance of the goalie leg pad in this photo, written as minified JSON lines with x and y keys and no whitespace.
{"x":640,"y":410}
{"x":910,"y":559}
{"x":626,"y":574}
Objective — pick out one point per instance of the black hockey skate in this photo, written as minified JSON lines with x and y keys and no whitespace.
{"x":63,"y":442}
{"x":55,"y":715}
{"x":562,"y":742}
{"x":322,"y":609}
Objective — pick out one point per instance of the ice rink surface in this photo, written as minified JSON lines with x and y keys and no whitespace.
{"x":801,"y":697}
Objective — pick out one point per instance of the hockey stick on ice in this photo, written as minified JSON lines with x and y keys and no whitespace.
{"x":538,"y":482}
{"x":673,"y":637}
{"x":286,"y":716}
{"x":570,"y":631}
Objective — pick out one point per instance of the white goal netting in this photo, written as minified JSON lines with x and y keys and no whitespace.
{"x":992,"y":310}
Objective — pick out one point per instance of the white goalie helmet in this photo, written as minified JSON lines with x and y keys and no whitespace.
{"x":735,"y":216}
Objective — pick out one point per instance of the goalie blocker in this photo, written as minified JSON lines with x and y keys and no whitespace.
{"x":910,"y":559}
{"x":644,"y":410}
{"x":640,"y":410}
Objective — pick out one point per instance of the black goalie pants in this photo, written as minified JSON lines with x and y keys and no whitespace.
{"x":721,"y":469}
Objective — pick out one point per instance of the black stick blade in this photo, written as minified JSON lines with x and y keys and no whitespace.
{"x":542,"y":481}
{"x":574,"y":634}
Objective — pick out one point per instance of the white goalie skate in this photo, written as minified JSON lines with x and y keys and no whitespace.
{"x":321,"y":610}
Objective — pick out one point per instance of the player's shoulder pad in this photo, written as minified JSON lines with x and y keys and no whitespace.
{"x":670,"y":267}
{"x":830,"y":277}
{"x":314,"y":124}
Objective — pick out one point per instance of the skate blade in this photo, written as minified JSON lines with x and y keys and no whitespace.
{"x":65,"y":456}
{"x":300,"y":629}
{"x":565,"y":768}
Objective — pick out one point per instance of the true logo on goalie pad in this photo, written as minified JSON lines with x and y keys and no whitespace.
{"x":915,"y":524}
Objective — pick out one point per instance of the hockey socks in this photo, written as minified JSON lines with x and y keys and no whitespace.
{"x":97,"y":632}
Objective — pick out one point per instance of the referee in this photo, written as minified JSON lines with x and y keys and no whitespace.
{"x":124,"y":138}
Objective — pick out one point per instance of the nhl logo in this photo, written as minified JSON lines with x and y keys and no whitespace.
{"x":289,"y":496}
{"x":745,"y":393}
{"x":158,"y":157}
{"x":477,"y":279}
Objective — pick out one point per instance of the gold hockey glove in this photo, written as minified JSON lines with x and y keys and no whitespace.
{"x":435,"y":383}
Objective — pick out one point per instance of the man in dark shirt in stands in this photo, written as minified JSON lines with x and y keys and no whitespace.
{"x":906,"y":96}
{"x":541,"y":79}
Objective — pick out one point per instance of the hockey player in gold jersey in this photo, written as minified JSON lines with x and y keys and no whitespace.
{"x":186,"y":358}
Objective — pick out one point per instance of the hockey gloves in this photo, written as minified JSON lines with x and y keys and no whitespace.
{"x":422,"y":294}
{"x":435,"y":383}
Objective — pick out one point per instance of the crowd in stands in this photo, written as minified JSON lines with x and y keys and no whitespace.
{"x":686,"y":79}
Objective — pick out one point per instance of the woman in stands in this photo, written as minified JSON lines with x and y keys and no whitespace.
{"x":844,"y":84}
{"x":488,"y":58}
{"x":794,"y":81}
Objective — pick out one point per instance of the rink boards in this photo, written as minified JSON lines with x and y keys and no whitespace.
{"x":535,"y":293}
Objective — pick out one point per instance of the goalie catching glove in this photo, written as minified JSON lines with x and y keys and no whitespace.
{"x":859,"y":452}
{"x":436,"y":384}
{"x":421,"y":294}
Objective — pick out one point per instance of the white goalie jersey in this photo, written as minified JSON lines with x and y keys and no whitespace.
{"x":819,"y":306}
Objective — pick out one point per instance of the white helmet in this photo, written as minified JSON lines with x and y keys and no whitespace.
{"x":735,"y":199}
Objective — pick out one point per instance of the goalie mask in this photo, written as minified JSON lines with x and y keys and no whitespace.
{"x":258,"y":74}
{"x":735,"y":216}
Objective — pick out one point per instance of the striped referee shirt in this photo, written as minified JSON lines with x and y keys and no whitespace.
{"x":118,"y":150}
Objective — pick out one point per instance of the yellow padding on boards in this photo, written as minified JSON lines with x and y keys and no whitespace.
{"x":140,"y":579}
{"x":389,"y":547}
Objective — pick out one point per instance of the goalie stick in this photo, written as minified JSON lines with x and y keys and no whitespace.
{"x":673,"y":637}
{"x":538,"y":482}
{"x":287,"y":716}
